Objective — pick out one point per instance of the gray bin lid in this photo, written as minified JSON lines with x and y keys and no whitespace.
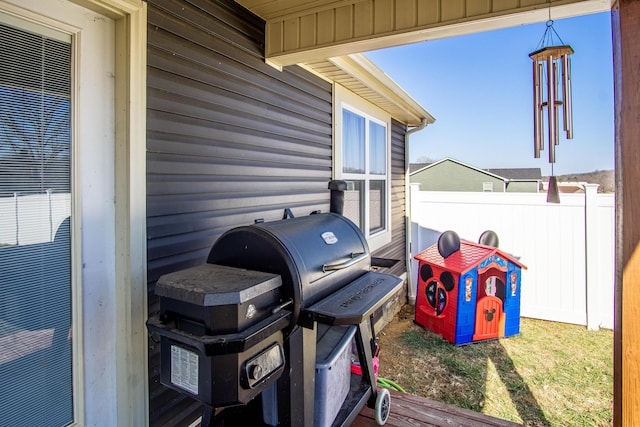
{"x":332,"y":342}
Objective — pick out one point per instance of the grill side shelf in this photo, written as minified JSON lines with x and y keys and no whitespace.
{"x":355,"y":302}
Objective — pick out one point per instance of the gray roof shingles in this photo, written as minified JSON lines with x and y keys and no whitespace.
{"x":509,"y":173}
{"x":517,"y":173}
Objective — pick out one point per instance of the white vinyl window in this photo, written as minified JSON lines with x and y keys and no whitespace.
{"x":487,"y":186}
{"x":362,"y":148}
{"x":36,"y":367}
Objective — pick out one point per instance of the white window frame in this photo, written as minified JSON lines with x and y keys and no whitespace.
{"x":111,"y":385}
{"x":487,"y":186}
{"x":345,"y":99}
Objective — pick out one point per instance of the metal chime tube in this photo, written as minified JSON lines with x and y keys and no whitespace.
{"x":566,"y":96}
{"x":538,"y":139}
{"x":557,"y":101}
{"x":551,"y":110}
{"x":540,"y":106}
{"x":552,"y":64}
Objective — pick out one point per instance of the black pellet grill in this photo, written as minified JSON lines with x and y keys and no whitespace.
{"x":240,"y":333}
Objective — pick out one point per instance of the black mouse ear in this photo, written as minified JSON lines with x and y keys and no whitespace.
{"x":489,"y":238}
{"x":448,"y":243}
{"x":426,"y":272}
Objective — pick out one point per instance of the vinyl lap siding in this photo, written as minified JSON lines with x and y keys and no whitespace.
{"x":230,"y":140}
{"x":396,"y":248}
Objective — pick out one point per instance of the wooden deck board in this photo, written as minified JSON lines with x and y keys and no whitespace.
{"x":413,"y":411}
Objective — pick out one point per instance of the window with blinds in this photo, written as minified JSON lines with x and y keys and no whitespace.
{"x":35,"y":216}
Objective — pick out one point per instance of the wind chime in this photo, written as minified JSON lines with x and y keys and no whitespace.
{"x":551,"y":68}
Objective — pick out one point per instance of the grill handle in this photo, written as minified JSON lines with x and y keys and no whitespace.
{"x":355,"y":258}
{"x":282,"y":306}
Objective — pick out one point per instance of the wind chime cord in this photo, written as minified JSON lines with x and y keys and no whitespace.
{"x":548,"y":36}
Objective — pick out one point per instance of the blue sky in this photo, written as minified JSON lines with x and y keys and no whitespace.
{"x":478,"y":87}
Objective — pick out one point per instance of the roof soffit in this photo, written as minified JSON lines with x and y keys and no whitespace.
{"x":361,"y":76}
{"x":327,"y":36}
{"x":313,"y":30}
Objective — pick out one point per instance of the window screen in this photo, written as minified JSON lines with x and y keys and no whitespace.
{"x":35,"y":241}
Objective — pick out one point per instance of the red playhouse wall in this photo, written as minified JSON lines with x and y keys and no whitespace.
{"x":445,"y":323}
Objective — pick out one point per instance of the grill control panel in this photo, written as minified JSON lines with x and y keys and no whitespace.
{"x":261,"y":366}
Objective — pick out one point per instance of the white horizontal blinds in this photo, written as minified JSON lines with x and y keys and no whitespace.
{"x":35,"y":243}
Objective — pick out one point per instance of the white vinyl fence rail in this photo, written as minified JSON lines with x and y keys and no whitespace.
{"x":568,"y":248}
{"x":27,"y":219}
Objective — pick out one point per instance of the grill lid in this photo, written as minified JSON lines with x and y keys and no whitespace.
{"x":315,"y":255}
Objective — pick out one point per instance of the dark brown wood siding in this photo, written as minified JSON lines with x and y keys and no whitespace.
{"x":230,"y":140}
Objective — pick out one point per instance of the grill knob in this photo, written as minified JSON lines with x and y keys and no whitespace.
{"x":255,"y":372}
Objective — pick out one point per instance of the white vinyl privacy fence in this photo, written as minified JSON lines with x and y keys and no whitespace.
{"x":568,"y":248}
{"x":27,"y":219}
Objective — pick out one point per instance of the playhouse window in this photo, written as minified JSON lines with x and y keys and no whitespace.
{"x":494,"y":287}
{"x":436,"y":296}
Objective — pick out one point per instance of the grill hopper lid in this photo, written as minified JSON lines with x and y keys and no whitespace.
{"x":214,"y":285}
{"x":304,"y":251}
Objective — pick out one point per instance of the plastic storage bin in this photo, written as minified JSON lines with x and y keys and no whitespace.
{"x":333,"y":372}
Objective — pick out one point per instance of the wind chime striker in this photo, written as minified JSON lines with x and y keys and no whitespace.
{"x":551,"y":90}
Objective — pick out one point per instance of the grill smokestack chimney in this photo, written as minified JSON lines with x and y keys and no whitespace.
{"x":337,"y":188}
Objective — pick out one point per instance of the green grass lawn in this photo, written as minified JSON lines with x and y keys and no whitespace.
{"x":551,"y":374}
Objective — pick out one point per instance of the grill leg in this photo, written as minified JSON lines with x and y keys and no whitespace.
{"x":209,"y":417}
{"x":297,"y":384}
{"x":364,"y":340}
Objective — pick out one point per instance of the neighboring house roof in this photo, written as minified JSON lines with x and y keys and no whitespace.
{"x":448,"y":159}
{"x":512,"y":174}
{"x":518,"y":173}
{"x":414,"y":167}
{"x":566,"y":187}
{"x":570,"y":189}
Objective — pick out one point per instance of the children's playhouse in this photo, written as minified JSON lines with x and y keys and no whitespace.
{"x":468,"y":291}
